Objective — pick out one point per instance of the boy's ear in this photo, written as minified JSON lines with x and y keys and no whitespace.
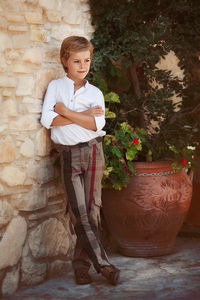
{"x":64,"y":61}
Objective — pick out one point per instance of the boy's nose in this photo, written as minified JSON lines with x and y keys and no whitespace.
{"x":82,"y":65}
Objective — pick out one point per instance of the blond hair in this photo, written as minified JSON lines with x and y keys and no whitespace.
{"x":74,"y":44}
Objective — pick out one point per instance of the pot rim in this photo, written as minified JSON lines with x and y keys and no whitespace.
{"x":155,"y":166}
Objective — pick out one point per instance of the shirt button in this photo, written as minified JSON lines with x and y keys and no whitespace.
{"x":71,"y":100}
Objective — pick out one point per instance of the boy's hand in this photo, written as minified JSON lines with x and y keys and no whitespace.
{"x":59,"y":108}
{"x":96,"y":111}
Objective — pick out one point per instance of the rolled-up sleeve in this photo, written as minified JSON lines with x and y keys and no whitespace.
{"x":48,"y":113}
{"x":100,"y":121}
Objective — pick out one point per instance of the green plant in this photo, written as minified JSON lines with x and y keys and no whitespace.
{"x":120,"y":150}
{"x":124,"y":147}
{"x":130,"y":38}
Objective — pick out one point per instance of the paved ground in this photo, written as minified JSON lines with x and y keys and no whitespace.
{"x":176,"y":276}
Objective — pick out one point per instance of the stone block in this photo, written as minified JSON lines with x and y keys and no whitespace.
{"x":54,"y":190}
{"x":33,"y":17}
{"x":15,"y":18}
{"x":5,"y":41}
{"x":32,"y":271}
{"x":6,"y":81}
{"x":49,"y":239}
{"x":50,"y":5}
{"x":35,"y":107}
{"x":7,"y":150}
{"x":57,"y":267}
{"x":10,"y":282}
{"x":46,"y":171}
{"x":6,"y":213}
{"x":61,"y":31}
{"x":32,"y":2}
{"x":19,"y":28}
{"x":27,"y":148}
{"x":10,"y":108}
{"x":73,"y":19}
{"x":43,"y":142}
{"x":25,"y":123}
{"x":21,"y":41}
{"x":71,"y":12}
{"x":20,"y":68}
{"x":2,"y":64}
{"x":33,"y":55}
{"x":12,"y":242}
{"x":1,"y":189}
{"x":52,"y":55}
{"x":12,"y":6}
{"x":13,"y":176}
{"x":12,"y":54}
{"x":34,"y":199}
{"x":25,"y":86}
{"x":42,"y":81}
{"x":3,"y":128}
{"x":3,"y":23}
{"x":7,"y":93}
{"x":38,"y":34}
{"x":53,"y":16}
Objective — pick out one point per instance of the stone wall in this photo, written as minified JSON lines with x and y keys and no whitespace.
{"x":34,"y":237}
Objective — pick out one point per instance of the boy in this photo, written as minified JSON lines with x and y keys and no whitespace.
{"x":74,"y":110}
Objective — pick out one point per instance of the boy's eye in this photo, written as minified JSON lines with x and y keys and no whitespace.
{"x":78,"y":61}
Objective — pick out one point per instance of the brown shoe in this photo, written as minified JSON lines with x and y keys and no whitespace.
{"x":82,"y":276}
{"x":111,"y":273}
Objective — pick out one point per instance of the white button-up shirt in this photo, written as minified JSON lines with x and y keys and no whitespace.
{"x":62,"y":90}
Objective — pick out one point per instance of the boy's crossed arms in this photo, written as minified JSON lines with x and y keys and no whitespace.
{"x":85,"y":118}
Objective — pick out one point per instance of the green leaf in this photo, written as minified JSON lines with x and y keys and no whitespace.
{"x":116,"y":151}
{"x":149,"y":156}
{"x":100,"y":82}
{"x":107,"y":171}
{"x":141,"y":131}
{"x":126,"y":127}
{"x":173,"y":148}
{"x":131,"y":167}
{"x":114,"y":71}
{"x":112,"y":97}
{"x":139,"y":146}
{"x":109,"y":114}
{"x":131,"y":153}
{"x":117,"y":186}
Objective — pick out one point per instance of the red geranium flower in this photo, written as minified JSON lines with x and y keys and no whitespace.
{"x":126,"y":169}
{"x":135,"y":141}
{"x":184,"y":161}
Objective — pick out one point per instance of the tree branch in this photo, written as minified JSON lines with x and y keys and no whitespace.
{"x":184,"y":112}
{"x":136,"y":85}
{"x":134,"y":79}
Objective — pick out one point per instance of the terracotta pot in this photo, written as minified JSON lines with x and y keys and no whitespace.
{"x":145,"y":217}
{"x":193,"y":217}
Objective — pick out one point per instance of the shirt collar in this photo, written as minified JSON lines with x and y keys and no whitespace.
{"x":71,"y":82}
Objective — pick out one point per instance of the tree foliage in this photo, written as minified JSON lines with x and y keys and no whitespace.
{"x":130,"y":38}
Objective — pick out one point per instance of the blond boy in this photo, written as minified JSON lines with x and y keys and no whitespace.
{"x":74,"y":110}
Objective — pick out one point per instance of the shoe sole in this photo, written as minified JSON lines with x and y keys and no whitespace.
{"x":82,"y":283}
{"x":114,"y":277}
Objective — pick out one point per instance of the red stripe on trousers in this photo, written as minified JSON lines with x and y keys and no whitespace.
{"x":92,"y":176}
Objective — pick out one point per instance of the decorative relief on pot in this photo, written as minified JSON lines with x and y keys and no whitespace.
{"x":162,"y":194}
{"x":146,"y":216}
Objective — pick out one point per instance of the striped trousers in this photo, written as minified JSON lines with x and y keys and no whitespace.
{"x":82,"y":171}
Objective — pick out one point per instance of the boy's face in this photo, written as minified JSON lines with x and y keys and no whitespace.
{"x":78,"y":65}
